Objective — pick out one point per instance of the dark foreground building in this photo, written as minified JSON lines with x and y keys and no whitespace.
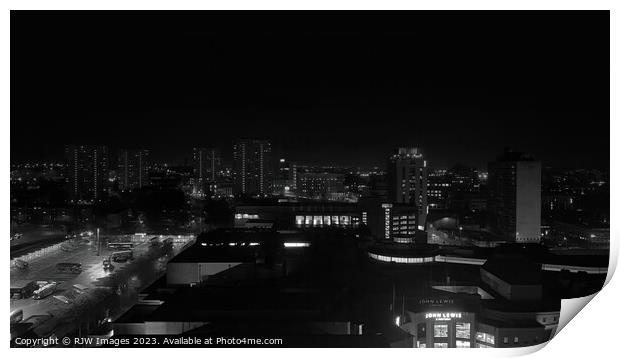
{"x":260,"y":283}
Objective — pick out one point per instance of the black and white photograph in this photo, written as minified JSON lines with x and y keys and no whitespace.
{"x":305,"y":179}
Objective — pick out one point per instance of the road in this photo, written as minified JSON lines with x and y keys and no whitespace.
{"x":148,"y":261}
{"x":35,"y":237}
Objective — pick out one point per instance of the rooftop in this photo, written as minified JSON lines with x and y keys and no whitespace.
{"x":515,"y":269}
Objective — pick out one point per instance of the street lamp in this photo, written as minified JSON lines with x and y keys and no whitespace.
{"x":98,"y":244}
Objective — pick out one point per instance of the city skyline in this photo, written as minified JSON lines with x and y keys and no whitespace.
{"x":305,"y":179}
{"x":226,"y":158}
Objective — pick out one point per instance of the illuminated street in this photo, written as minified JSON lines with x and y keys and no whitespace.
{"x":147,"y":265}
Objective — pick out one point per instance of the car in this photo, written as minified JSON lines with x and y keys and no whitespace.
{"x":62,"y":299}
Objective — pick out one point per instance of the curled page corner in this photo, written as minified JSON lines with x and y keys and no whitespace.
{"x":613,"y":261}
{"x":570,"y":308}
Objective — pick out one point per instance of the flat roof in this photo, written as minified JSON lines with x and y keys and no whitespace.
{"x":517,"y":270}
{"x":202,"y":304}
{"x":225,"y":253}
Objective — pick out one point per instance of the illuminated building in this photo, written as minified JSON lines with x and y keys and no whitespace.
{"x":557,"y":202}
{"x":400,"y":223}
{"x":464,"y":179}
{"x":301,"y":215}
{"x":515,"y":197}
{"x":497,"y":334}
{"x":252,"y":173}
{"x":86,"y":171}
{"x":439,"y":185}
{"x":402,"y":253}
{"x":407,"y":180}
{"x":285,"y":178}
{"x":319,"y":185}
{"x":441,"y":325}
{"x":469,"y":317}
{"x":453,"y":189}
{"x":207,"y":163}
{"x":133,"y":168}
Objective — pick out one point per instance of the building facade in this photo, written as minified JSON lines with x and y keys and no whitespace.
{"x":439,"y":185}
{"x":515,"y":197}
{"x":133,"y":168}
{"x":252,"y":172}
{"x":285,"y":178}
{"x":86,"y":172}
{"x":207,"y":163}
{"x":309,"y":215}
{"x":320,"y":185}
{"x":399,"y":223}
{"x":407,"y":180}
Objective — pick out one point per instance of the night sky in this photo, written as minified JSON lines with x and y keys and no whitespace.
{"x":326,"y":87}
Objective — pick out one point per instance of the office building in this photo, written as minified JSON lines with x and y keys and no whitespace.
{"x":133,"y":168}
{"x":86,"y":171}
{"x":285,"y":177}
{"x":399,"y":223}
{"x":407,"y":180}
{"x":252,"y":172}
{"x":320,"y":185}
{"x":464,"y":179}
{"x":439,"y":185}
{"x":300,"y":215}
{"x":514,"y":186}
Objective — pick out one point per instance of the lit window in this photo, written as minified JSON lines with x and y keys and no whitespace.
{"x":440,"y":330}
{"x":463,"y":344}
{"x":463,"y":330}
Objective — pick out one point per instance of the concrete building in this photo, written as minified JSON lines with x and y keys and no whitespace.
{"x":459,"y":320}
{"x":86,"y":171}
{"x":399,"y":223}
{"x":285,"y":178}
{"x":300,"y":215}
{"x":252,"y":171}
{"x":515,"y":197}
{"x":407,"y":180}
{"x":133,"y":168}
{"x":207,"y":163}
{"x":513,"y":277}
{"x":320,"y":185}
{"x":439,"y":186}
